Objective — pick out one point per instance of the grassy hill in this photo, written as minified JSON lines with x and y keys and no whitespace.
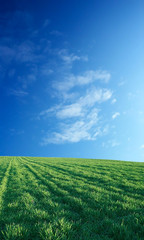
{"x":57,"y":198}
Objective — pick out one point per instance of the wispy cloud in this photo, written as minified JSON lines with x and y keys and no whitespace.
{"x":83,"y":116}
{"x":81,"y":105}
{"x":142,"y":146}
{"x":70,"y":58}
{"x":115,"y":115}
{"x":111,"y":143}
{"x":86,"y":78}
{"x":113,"y":101}
{"x":47,"y":112}
{"x":77,"y":114}
{"x":18,"y":93}
{"x":95,"y":95}
{"x":114,"y":143}
{"x":69,"y":111}
{"x":84,"y":129}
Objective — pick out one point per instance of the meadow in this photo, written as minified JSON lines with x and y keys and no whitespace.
{"x":66,"y":199}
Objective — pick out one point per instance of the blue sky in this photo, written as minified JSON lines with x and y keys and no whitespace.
{"x":72,"y":79}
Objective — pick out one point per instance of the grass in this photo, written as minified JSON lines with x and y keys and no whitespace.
{"x":64,"y":199}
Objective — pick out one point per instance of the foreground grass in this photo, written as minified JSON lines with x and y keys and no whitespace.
{"x":47,"y":198}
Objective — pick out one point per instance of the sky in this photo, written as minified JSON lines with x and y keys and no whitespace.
{"x":72,"y":79}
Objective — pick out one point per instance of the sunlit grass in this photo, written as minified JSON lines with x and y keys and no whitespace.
{"x":57,"y":198}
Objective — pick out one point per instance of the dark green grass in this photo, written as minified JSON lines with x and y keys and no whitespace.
{"x":56,"y":198}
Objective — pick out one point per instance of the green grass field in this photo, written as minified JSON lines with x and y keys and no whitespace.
{"x":57,"y":198}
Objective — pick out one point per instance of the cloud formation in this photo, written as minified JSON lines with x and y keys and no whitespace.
{"x":81,"y":105}
{"x":79,"y":119}
{"x":83,"y":129}
{"x":111,"y":143}
{"x":115,"y":115}
{"x":79,"y":96}
{"x":84,"y":79}
{"x":113,"y":101}
{"x":69,"y":58}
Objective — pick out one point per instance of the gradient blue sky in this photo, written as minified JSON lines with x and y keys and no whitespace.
{"x":72,"y":78}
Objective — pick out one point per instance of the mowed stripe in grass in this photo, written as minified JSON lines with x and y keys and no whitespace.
{"x":57,"y":198}
{"x":4,"y":174}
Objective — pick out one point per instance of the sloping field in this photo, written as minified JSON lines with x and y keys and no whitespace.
{"x":55,"y":198}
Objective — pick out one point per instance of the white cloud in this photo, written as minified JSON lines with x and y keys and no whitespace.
{"x":95,"y":95}
{"x":84,"y":129}
{"x":81,"y":80}
{"x":106,"y":129}
{"x":114,"y":143}
{"x":68,"y":58}
{"x":52,"y":110}
{"x":113,"y":101}
{"x":73,"y":133}
{"x":77,"y":115}
{"x":90,"y":76}
{"x":115,"y":115}
{"x":80,"y":106}
{"x":73,"y":110}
